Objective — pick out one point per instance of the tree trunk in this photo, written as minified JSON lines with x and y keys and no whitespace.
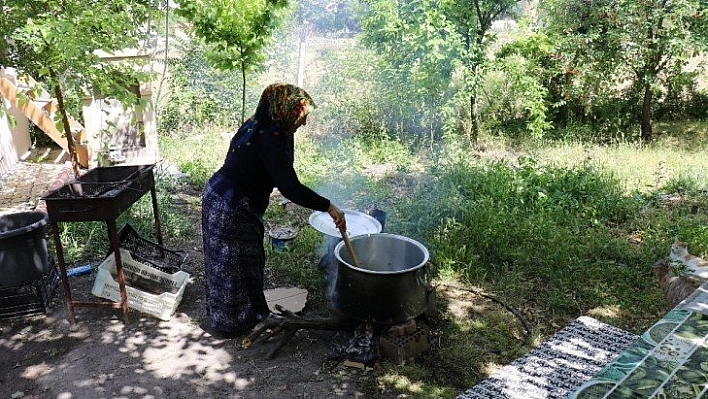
{"x":243,"y":92}
{"x":434,"y":134}
{"x":474,"y":108}
{"x":563,"y":110}
{"x":71,"y":146}
{"x":301,"y":57}
{"x":646,"y":128}
{"x":474,"y":119}
{"x":167,"y":53}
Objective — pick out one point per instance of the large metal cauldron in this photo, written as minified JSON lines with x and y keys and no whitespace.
{"x":390,"y":286}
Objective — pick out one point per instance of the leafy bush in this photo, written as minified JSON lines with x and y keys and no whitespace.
{"x":519,"y":85}
{"x":369,"y":98}
{"x":198,"y":155}
{"x":682,"y":185}
{"x":197,"y":94}
{"x":199,"y":172}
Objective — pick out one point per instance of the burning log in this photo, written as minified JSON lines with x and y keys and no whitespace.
{"x":290,"y":324}
{"x":362,"y":349}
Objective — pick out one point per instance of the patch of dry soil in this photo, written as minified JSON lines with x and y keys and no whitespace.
{"x":102,"y":356}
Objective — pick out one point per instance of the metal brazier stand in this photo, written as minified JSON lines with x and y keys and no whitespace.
{"x":102,"y":194}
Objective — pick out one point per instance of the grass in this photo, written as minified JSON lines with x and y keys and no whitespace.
{"x":554,"y":231}
{"x":180,"y":150}
{"x":678,"y":153}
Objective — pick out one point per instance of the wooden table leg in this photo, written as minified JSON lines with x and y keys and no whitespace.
{"x":115,"y":246}
{"x":158,"y":226}
{"x":62,"y":273}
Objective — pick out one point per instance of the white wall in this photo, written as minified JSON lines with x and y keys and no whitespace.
{"x":15,"y":140}
{"x":108,"y":124}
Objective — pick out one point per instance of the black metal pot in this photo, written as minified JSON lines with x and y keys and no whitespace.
{"x":23,"y":248}
{"x":390,"y":286}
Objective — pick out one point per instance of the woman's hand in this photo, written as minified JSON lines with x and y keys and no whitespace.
{"x":338,"y":217}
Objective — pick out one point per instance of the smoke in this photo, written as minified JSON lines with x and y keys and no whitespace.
{"x":328,"y":263}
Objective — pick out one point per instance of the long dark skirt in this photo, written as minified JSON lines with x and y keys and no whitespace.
{"x":234,"y":262}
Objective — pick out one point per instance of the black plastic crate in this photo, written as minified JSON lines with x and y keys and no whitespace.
{"x":150,"y":253}
{"x":32,"y":298}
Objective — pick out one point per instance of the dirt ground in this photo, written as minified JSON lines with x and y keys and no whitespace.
{"x":103,"y":356}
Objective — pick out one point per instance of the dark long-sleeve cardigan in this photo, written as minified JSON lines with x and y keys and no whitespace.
{"x":259,"y":159}
{"x":234,"y":201}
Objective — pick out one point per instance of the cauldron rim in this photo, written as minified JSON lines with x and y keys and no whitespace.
{"x":19,"y":223}
{"x":424,"y":250}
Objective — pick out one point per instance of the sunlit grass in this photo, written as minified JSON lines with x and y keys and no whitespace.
{"x":640,"y":168}
{"x":197,"y":155}
{"x":574,"y":231}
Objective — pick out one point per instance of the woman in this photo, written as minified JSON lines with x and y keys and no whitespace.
{"x":260,"y":157}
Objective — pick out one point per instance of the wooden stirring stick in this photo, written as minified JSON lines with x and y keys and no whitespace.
{"x":348,"y":243}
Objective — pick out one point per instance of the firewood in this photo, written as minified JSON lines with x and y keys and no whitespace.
{"x":349,"y":363}
{"x":290,"y":324}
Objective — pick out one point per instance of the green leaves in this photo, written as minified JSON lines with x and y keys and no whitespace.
{"x":66,"y":37}
{"x":417,"y":48}
{"x":236,"y":32}
{"x":58,"y":43}
{"x":603,"y":45}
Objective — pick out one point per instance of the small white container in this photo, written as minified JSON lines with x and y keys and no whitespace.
{"x":162,"y":306}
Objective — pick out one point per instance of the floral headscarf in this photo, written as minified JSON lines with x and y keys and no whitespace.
{"x":284,"y":104}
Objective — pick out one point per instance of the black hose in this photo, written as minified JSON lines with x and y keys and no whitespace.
{"x":524,"y":322}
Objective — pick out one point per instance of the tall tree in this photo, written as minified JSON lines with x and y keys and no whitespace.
{"x":643,"y":42}
{"x":655,"y":36}
{"x":236,"y":31}
{"x":419,"y":47}
{"x":58,"y":42}
{"x":431,"y":38}
{"x":472,"y":21}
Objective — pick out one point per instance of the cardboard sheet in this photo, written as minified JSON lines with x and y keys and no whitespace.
{"x":292,"y":299}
